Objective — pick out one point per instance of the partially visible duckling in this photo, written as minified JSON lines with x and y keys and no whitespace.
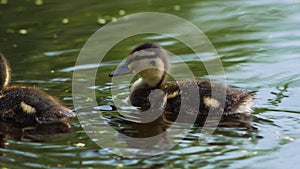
{"x":151,"y":63}
{"x":28,"y":105}
{"x":4,"y":72}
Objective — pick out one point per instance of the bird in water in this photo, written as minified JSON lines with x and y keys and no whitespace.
{"x":151,"y":63}
{"x":28,"y":105}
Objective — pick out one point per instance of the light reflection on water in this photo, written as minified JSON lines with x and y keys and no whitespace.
{"x":258,"y":44}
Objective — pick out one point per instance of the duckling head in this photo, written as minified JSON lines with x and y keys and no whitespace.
{"x":4,"y":72}
{"x":149,"y":61}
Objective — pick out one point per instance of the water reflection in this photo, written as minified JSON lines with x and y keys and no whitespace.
{"x":160,"y":128}
{"x":9,"y":130}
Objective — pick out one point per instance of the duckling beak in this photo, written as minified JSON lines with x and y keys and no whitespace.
{"x":122,"y":70}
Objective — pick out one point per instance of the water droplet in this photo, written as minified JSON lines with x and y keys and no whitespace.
{"x":101,"y":21}
{"x":176,"y":7}
{"x":244,"y":151}
{"x":288,"y":138}
{"x":39,"y":2}
{"x":65,"y":21}
{"x":23,"y":31}
{"x":79,"y":144}
{"x":121,"y":12}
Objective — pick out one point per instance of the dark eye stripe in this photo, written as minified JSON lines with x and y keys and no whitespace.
{"x":140,"y":57}
{"x":157,"y":54}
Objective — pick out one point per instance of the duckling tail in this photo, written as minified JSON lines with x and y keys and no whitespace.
{"x":246,"y":102}
{"x":68,"y":113}
{"x":252,"y":92}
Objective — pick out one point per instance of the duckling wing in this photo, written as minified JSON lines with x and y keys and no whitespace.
{"x":213,"y":97}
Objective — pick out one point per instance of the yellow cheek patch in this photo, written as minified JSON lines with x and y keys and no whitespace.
{"x":173,"y":95}
{"x":27,"y":108}
{"x":210,"y":102}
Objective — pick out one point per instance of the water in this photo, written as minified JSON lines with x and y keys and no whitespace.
{"x":258,"y":42}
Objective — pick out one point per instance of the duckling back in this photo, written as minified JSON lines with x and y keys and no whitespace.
{"x":225,"y":100}
{"x":27,"y":105}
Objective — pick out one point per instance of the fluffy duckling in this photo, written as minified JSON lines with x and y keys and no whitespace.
{"x":28,"y":105}
{"x":151,"y":63}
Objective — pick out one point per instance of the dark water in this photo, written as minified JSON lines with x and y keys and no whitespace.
{"x":258,"y":44}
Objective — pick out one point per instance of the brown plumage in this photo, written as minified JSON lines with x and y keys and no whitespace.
{"x":28,"y":105}
{"x":150,"y":62}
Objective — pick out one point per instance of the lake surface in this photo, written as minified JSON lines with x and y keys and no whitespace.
{"x":258,"y":45}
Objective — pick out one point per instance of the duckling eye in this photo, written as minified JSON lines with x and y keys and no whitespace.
{"x":153,"y":63}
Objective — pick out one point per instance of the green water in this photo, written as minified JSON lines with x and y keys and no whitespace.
{"x":258,"y":44}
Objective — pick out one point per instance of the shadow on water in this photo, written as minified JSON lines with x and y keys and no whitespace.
{"x":160,"y":125}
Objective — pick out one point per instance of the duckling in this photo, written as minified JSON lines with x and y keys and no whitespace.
{"x":28,"y":105}
{"x":4,"y":72}
{"x":151,"y":63}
